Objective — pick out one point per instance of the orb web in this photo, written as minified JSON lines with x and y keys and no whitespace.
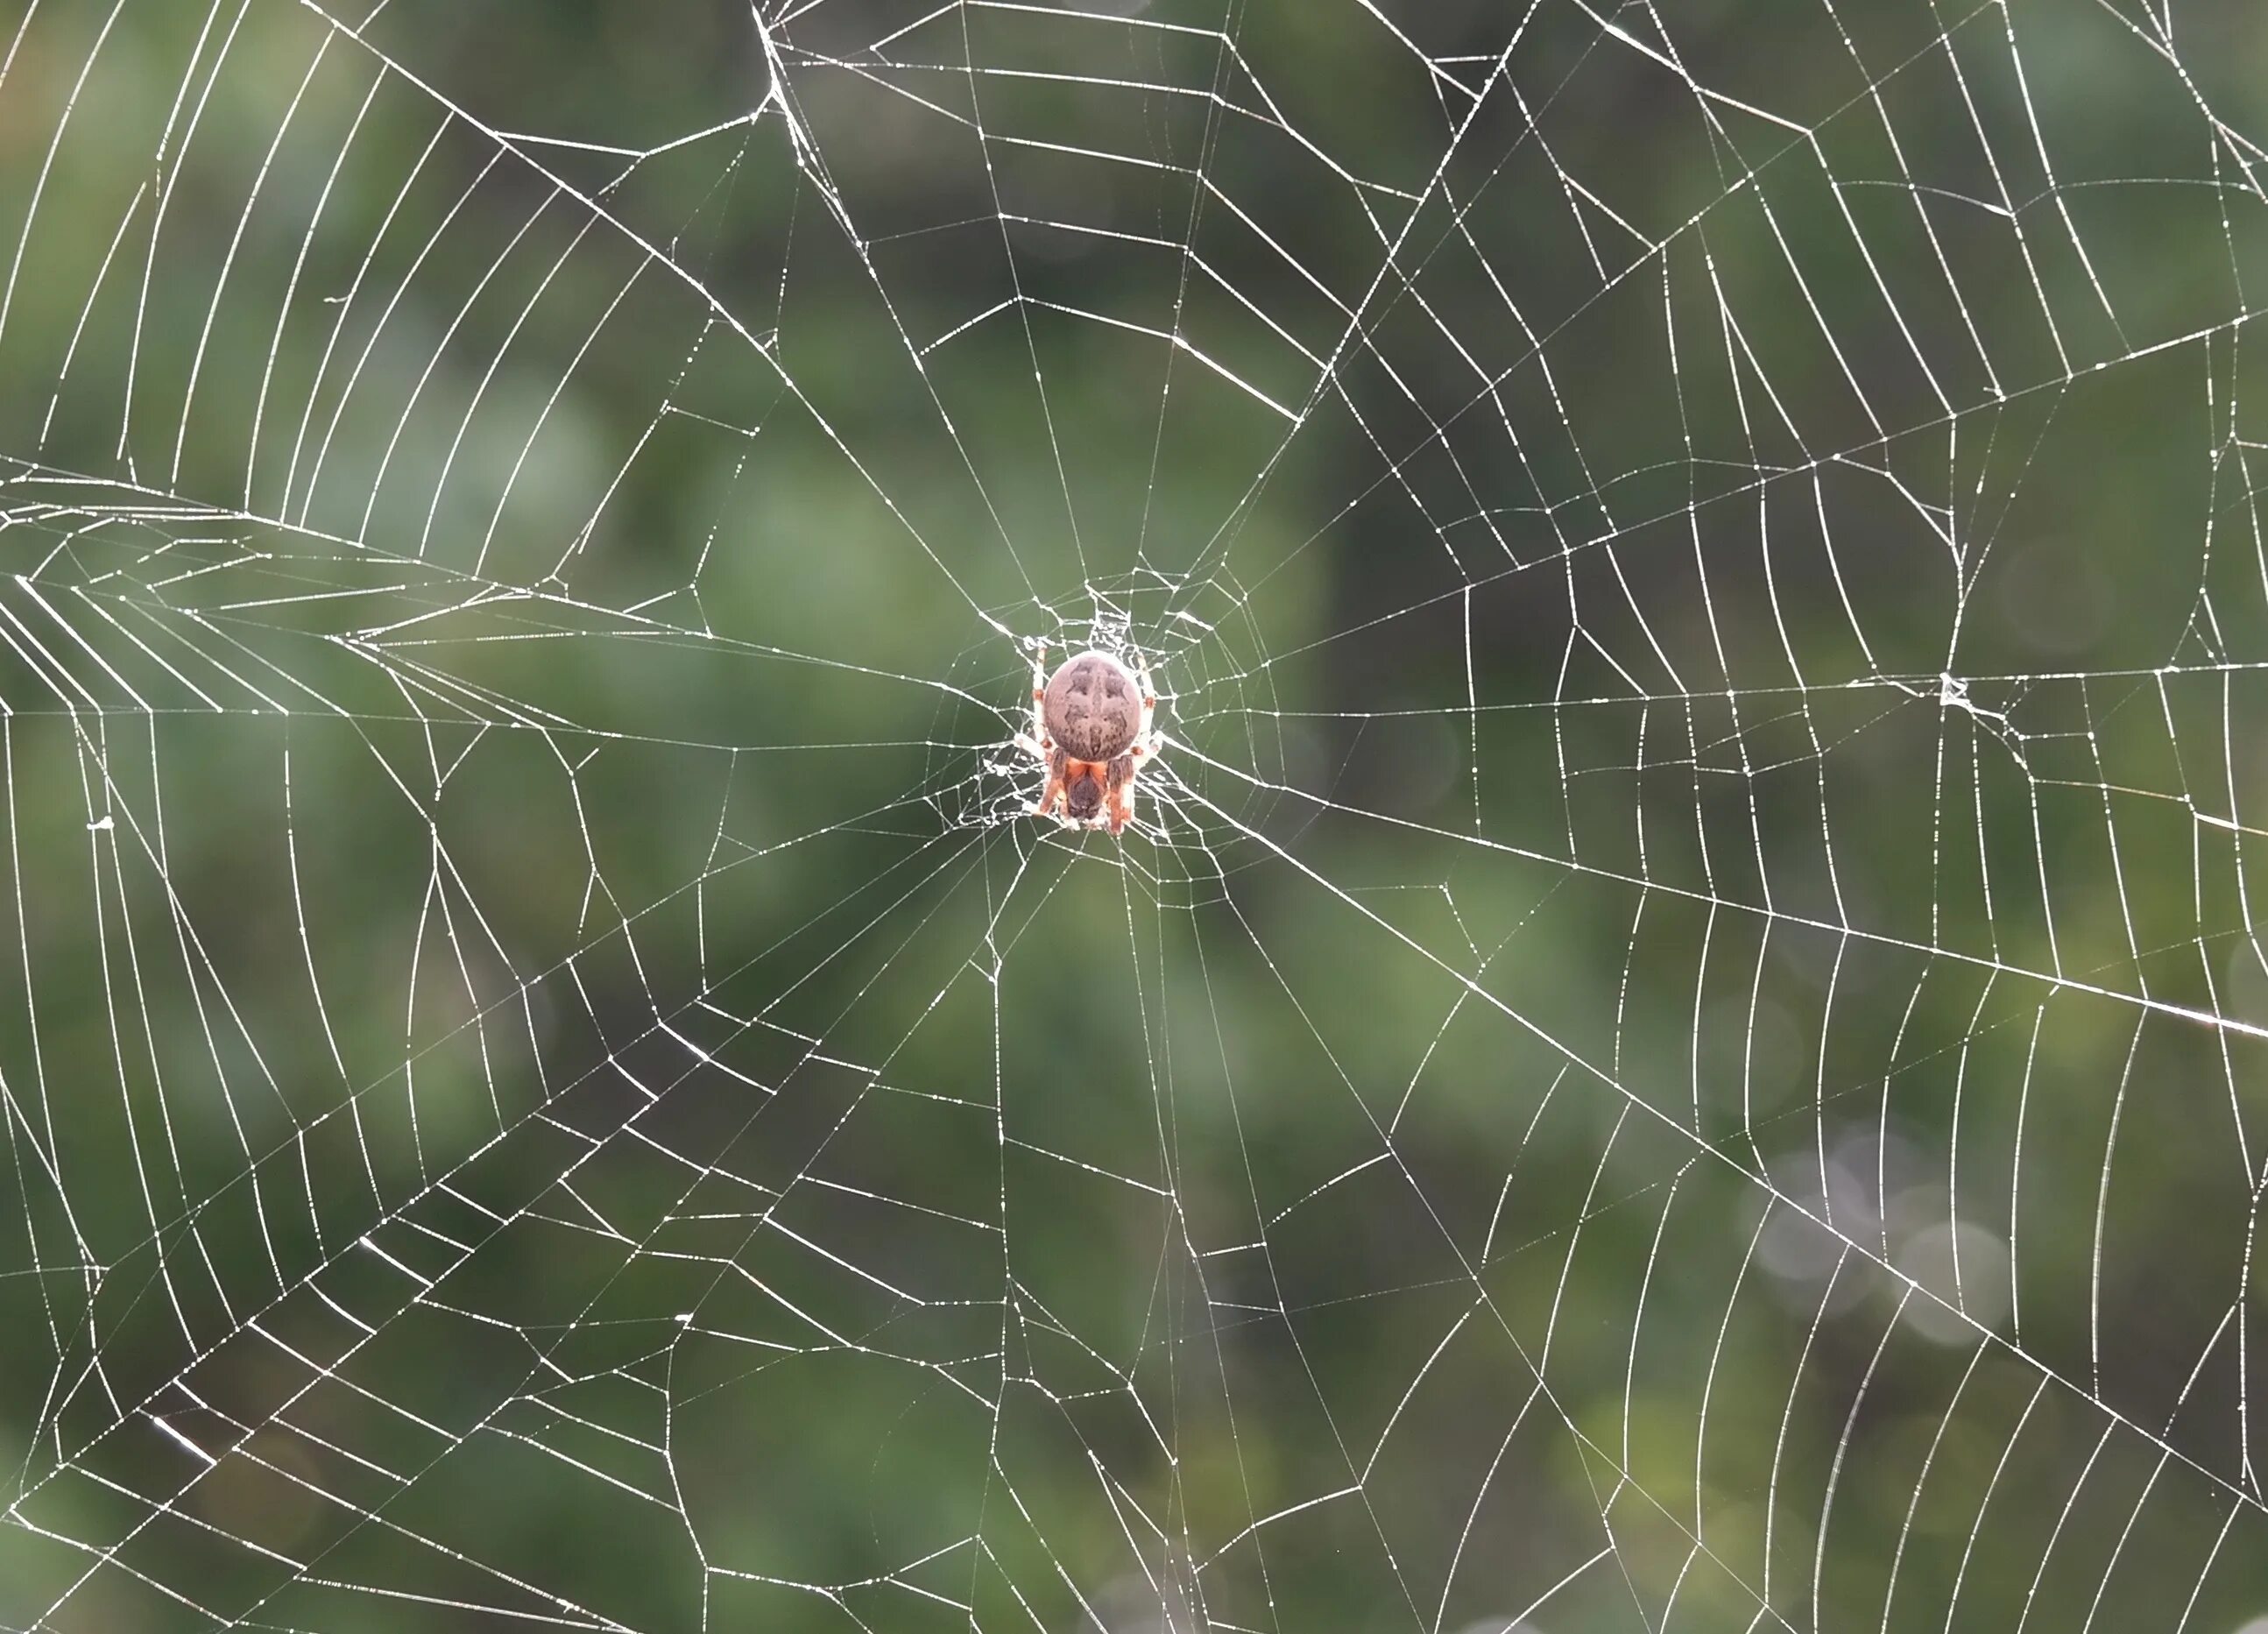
{"x":1678,"y":1039}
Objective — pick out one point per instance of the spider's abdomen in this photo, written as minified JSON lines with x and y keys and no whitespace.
{"x":1093,"y":707}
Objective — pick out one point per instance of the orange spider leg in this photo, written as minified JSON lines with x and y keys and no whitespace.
{"x":1054,"y":794}
{"x":1118,"y":793}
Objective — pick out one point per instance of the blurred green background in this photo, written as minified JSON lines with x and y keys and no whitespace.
{"x":1679,"y":1042}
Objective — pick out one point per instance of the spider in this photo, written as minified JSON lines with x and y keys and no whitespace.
{"x":1091,"y":732}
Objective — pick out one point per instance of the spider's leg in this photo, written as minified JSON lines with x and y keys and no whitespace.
{"x":1040,"y":693}
{"x":1146,"y":739}
{"x":1118,"y":795}
{"x":1043,"y":748}
{"x":1057,"y":792}
{"x":1041,"y":742}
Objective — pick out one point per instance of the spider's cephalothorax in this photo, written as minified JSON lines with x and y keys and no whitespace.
{"x":1091,"y":732}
